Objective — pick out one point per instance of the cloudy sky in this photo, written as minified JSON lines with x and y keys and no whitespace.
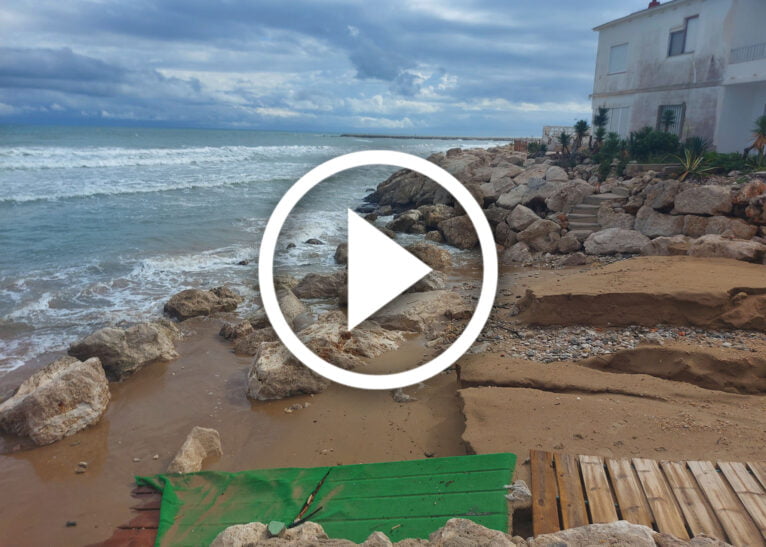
{"x":475,"y":67}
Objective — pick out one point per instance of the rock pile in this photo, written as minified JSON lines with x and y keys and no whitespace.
{"x":537,"y":208}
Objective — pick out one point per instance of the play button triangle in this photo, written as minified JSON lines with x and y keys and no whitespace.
{"x":379,"y":270}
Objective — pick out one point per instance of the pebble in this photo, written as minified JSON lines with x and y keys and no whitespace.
{"x":136,"y":460}
{"x":550,"y":344}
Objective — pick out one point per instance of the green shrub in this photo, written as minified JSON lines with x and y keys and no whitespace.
{"x":647,"y":144}
{"x":724,"y":163}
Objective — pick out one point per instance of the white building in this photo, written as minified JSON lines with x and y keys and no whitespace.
{"x":703,"y":59}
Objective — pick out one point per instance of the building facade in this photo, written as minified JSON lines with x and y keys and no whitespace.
{"x":704,"y":60}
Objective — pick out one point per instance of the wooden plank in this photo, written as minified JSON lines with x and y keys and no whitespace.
{"x":667,"y":515}
{"x":545,"y":511}
{"x":728,"y":509}
{"x":144,"y":519}
{"x":699,"y":515}
{"x":748,"y":490}
{"x":600,"y":501}
{"x":630,"y":497}
{"x":573,"y":511}
{"x":759,"y":470}
{"x":150,"y":504}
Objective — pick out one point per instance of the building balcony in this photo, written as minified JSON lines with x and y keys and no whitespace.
{"x":746,"y":65}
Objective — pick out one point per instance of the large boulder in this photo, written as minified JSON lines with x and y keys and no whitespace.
{"x":124,"y":351}
{"x":316,"y":285}
{"x":542,"y":235}
{"x":556,"y":173}
{"x":517,"y":254}
{"x":609,"y":218}
{"x":435,"y":257}
{"x":256,"y":534}
{"x":250,"y":343}
{"x":536,"y":189}
{"x":405,"y":221}
{"x":613,"y":533}
{"x":730,"y":227}
{"x":704,"y":200}
{"x":533,"y":172}
{"x":201,"y":443}
{"x":661,"y":195}
{"x":615,"y":240}
{"x":667,"y":246}
{"x":276,"y":374}
{"x":500,"y":181}
{"x":719,"y":246}
{"x":521,"y":218}
{"x":459,"y":232}
{"x":654,"y":224}
{"x":432,"y":215}
{"x":417,"y":312}
{"x":752,"y":189}
{"x":196,"y":302}
{"x":504,"y":235}
{"x":463,"y":532}
{"x":756,"y":210}
{"x":57,"y":401}
{"x":566,"y":198}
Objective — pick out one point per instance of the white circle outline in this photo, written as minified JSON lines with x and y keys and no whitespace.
{"x":357,"y":379}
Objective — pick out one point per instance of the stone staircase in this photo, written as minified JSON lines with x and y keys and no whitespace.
{"x":584,"y":217}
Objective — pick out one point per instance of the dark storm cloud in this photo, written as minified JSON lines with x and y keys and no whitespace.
{"x":419,"y":65}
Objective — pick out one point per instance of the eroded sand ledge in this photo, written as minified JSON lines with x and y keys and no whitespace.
{"x":704,"y":292}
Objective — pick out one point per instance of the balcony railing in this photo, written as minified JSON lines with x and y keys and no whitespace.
{"x":748,"y":53}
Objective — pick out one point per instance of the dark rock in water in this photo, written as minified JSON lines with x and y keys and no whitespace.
{"x":232,"y":331}
{"x":371,"y":217}
{"x":243,"y":262}
{"x":195,"y":302}
{"x":314,"y":241}
{"x":341,"y":254}
{"x":366,"y":208}
{"x":290,"y":246}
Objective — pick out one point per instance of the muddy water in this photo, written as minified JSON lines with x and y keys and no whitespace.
{"x":151,"y":413}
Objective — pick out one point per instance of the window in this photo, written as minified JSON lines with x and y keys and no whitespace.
{"x":685,"y":39}
{"x":618,"y":58}
{"x":670,"y":118}
{"x":619,"y":120}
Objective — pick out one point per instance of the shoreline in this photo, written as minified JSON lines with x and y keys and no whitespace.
{"x":431,"y":138}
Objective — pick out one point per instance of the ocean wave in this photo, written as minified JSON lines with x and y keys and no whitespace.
{"x":45,"y":157}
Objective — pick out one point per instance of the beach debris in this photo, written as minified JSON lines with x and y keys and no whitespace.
{"x":71,"y":523}
{"x":57,"y":401}
{"x":136,"y":460}
{"x":124,"y":351}
{"x":400,"y":396}
{"x":156,"y":457}
{"x":518,"y":493}
{"x":276,"y":528}
{"x":200,"y":444}
{"x":196,"y":302}
{"x":81,"y":468}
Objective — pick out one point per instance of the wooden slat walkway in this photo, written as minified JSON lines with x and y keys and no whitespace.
{"x":141,"y":531}
{"x":726,"y":500}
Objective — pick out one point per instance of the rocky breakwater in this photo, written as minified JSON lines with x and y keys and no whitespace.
{"x":538,"y":210}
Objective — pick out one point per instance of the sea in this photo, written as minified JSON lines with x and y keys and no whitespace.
{"x":99,"y":226}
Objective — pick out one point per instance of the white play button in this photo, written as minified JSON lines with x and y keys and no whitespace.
{"x":379,"y":270}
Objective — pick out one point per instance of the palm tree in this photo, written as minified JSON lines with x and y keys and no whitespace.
{"x":564,"y":140}
{"x":599,"y":122}
{"x":667,"y":119}
{"x":581,"y":129}
{"x":759,"y":132}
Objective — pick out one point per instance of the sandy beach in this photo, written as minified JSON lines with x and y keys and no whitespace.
{"x":151,"y":413}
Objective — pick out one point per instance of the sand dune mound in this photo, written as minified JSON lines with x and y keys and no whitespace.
{"x":674,"y":290}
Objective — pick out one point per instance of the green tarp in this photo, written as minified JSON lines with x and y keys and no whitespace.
{"x":402,"y":499}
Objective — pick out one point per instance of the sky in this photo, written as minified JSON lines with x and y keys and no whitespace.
{"x":416,"y":67}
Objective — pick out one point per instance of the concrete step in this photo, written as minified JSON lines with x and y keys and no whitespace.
{"x":598,"y":199}
{"x":583,"y":217}
{"x":586,"y":207}
{"x":578,"y":226}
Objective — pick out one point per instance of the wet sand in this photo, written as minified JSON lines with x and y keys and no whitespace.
{"x":152,"y":412}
